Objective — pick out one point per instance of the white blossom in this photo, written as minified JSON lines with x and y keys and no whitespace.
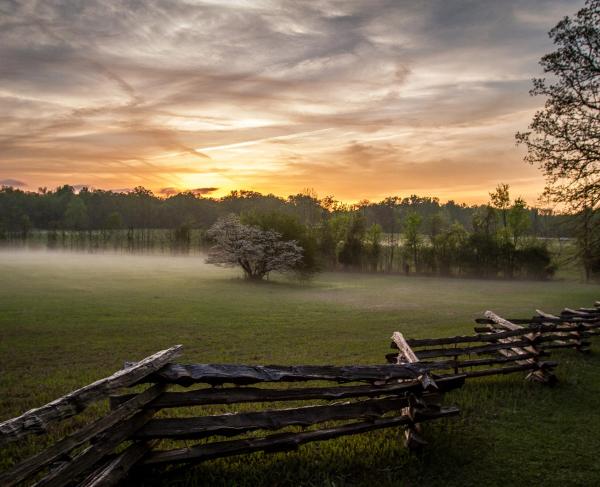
{"x":258,"y":252}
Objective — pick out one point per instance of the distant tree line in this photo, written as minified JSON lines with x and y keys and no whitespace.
{"x":66,"y":209}
{"x":415,"y":234}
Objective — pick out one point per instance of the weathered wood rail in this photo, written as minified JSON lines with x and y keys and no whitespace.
{"x":364,"y":398}
{"x":503,"y":346}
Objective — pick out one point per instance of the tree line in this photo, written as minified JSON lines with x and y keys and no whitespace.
{"x":94,"y":209}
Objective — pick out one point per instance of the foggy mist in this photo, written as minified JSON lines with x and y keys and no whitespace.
{"x":108,"y":262}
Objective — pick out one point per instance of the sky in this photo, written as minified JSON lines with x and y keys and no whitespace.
{"x":357,"y":99}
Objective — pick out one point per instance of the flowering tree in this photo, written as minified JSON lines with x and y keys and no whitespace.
{"x":256,"y":251}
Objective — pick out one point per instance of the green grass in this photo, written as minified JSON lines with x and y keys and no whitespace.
{"x":66,"y":320}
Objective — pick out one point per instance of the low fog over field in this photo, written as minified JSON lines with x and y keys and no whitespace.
{"x":179,"y":277}
{"x":134,"y":265}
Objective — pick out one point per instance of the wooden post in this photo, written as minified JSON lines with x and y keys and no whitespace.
{"x":410,"y":357}
{"x":413,"y":438}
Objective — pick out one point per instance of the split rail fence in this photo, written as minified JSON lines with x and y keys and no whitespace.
{"x":503,"y":346}
{"x":102,"y":453}
{"x":362,"y":398}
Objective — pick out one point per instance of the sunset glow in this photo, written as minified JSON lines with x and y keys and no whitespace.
{"x":355,"y":99}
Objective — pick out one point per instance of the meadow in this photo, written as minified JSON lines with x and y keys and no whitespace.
{"x":67,"y":319}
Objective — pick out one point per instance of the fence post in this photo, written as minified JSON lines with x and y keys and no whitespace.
{"x":413,"y":432}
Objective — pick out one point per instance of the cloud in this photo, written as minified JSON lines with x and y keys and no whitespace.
{"x":203,"y":191}
{"x":268,"y":94}
{"x":169,"y":191}
{"x":15,"y":183}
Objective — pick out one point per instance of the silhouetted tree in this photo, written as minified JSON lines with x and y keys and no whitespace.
{"x":564,"y":137}
{"x":113,"y":221}
{"x":518,"y":220}
{"x":500,"y":199}
{"x":373,"y":240}
{"x":351,"y":252}
{"x":76,"y":216}
{"x":412,"y":236}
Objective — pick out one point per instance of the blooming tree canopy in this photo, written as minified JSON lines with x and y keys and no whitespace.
{"x":258,"y":252}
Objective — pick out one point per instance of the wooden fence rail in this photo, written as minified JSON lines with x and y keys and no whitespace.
{"x":37,"y":420}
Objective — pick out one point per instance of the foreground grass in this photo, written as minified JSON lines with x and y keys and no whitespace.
{"x":68,"y":320}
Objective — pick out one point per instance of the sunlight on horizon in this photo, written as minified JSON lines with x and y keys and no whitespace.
{"x":358,"y":100}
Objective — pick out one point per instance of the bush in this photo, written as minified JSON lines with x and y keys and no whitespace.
{"x":535,"y":261}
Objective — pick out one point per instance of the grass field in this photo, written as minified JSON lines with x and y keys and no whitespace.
{"x":66,"y":320}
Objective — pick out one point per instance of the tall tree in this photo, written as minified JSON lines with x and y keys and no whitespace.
{"x":412,"y":237}
{"x":500,"y":199}
{"x":518,"y":220}
{"x":76,"y":216}
{"x":564,"y":137}
{"x":352,"y":249}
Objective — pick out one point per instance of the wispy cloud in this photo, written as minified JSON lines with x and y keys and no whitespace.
{"x":361,"y":97}
{"x":15,"y":183}
{"x":276,"y":138}
{"x":203,"y":191}
{"x":170,"y":191}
